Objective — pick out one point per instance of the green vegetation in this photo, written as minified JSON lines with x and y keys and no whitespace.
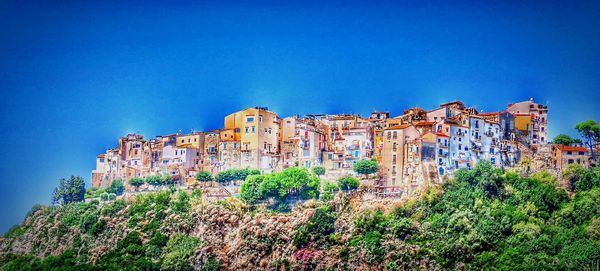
{"x":318,"y":170}
{"x":69,"y":190}
{"x":232,"y":175}
{"x":483,"y":219}
{"x":153,"y":180}
{"x":566,"y":140}
{"x":366,"y":167}
{"x":590,"y":131}
{"x":117,"y":187}
{"x":204,"y":176}
{"x":347,"y":183}
{"x":136,"y":182}
{"x":280,"y":186}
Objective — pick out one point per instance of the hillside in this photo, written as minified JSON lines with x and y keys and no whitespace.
{"x":483,"y":219}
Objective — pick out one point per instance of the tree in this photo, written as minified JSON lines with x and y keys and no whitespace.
{"x":136,"y":182}
{"x":590,"y":131}
{"x":566,"y":140}
{"x":153,"y":180}
{"x":69,"y":191}
{"x":318,"y":170}
{"x":365,"y":167}
{"x":347,"y":183}
{"x":167,"y":179}
{"x":204,"y":176}
{"x":116,"y":187}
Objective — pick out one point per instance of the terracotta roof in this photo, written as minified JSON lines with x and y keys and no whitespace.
{"x":101,"y":156}
{"x":441,"y":134}
{"x":571,"y":148}
{"x":397,"y":127}
{"x":491,"y":113}
{"x":521,"y":114}
{"x":424,"y":123}
{"x":452,"y":102}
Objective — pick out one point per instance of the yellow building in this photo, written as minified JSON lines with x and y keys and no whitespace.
{"x":394,"y":154}
{"x":258,"y":131}
{"x":523,"y":122}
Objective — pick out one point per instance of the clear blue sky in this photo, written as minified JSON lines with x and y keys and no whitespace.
{"x":74,"y":77}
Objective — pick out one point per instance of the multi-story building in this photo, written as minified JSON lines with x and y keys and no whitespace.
{"x":229,"y":150}
{"x":258,"y":131}
{"x":566,"y":155}
{"x":537,"y":122}
{"x":302,"y":142}
{"x":210,"y":161}
{"x":413,"y":150}
{"x":394,"y":155}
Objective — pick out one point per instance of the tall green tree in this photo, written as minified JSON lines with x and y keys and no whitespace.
{"x":69,"y":190}
{"x":590,"y":131}
{"x":116,"y":187}
{"x":566,"y":140}
{"x":136,"y":182}
{"x":318,"y":170}
{"x":365,"y":167}
{"x":204,"y":176}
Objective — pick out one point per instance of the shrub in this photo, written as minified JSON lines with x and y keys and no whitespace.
{"x":348,"y":183}
{"x":154,"y":180}
{"x":204,"y":176}
{"x":136,"y":182}
{"x":317,"y":229}
{"x":179,"y":251}
{"x":318,"y":170}
{"x":116,"y":187}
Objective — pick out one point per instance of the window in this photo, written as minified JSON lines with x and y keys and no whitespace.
{"x":101,"y":160}
{"x":476,"y":124}
{"x":182,"y":141}
{"x":249,"y":119}
{"x":459,"y":147}
{"x":570,"y":161}
{"x":175,"y":152}
{"x":578,"y":161}
{"x":581,"y":153}
{"x":253,"y":129}
{"x":569,"y":152}
{"x":395,"y":135}
{"x":246,"y":129}
{"x":260,"y":118}
{"x":236,"y":130}
{"x":224,"y":146}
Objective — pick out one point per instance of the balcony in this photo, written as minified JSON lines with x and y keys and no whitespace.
{"x":459,"y":133}
{"x":443,"y":154}
{"x":489,"y":134}
{"x":442,"y":145}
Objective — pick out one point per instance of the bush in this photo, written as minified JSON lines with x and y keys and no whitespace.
{"x":317,"y":230}
{"x":204,"y":176}
{"x":136,"y":182}
{"x":179,"y":251}
{"x":348,"y":183}
{"x":318,"y":170}
{"x":154,"y":180}
{"x":365,"y":167}
{"x":116,"y":187}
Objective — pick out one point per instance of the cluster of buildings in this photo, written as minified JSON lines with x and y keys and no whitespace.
{"x":413,"y":149}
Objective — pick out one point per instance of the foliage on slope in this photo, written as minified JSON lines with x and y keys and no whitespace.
{"x":483,"y":219}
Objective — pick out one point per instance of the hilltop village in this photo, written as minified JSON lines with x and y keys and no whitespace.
{"x":413,"y":150}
